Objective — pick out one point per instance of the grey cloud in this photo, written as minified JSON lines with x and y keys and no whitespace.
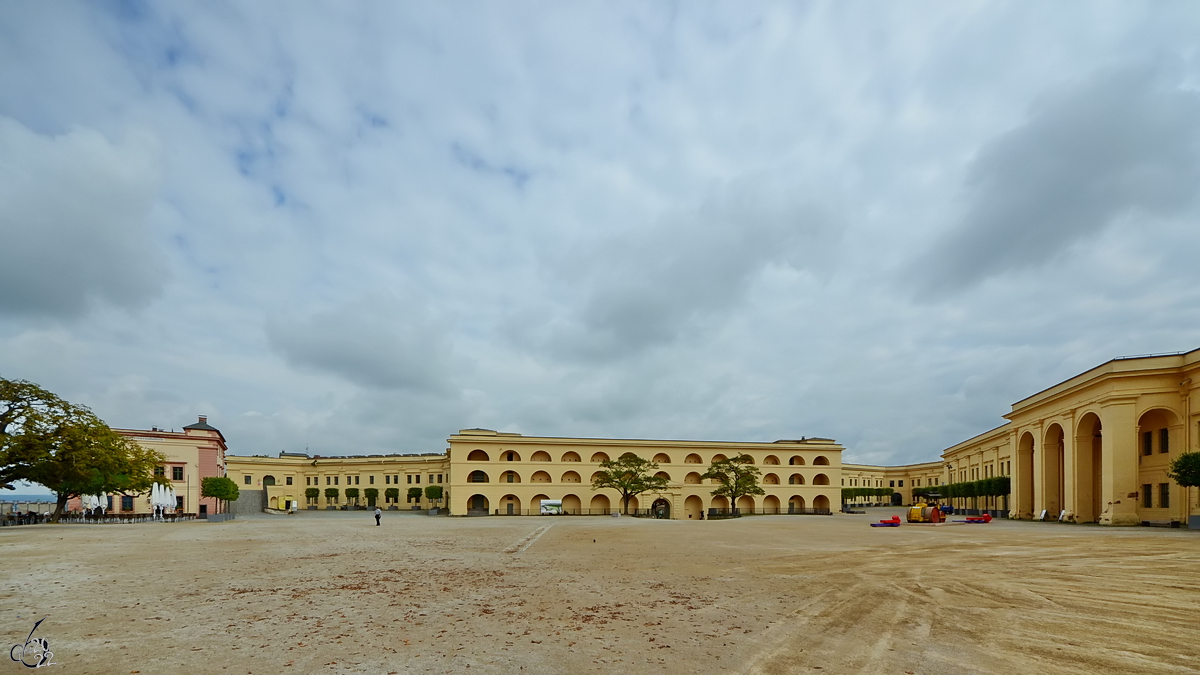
{"x":645,"y":287}
{"x":73,"y":220}
{"x":379,"y":342}
{"x":1124,"y":143}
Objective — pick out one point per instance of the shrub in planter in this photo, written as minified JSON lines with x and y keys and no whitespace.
{"x":311,"y":494}
{"x":372,"y":495}
{"x":433,"y":493}
{"x":392,"y":495}
{"x":414,"y":494}
{"x":352,"y":497}
{"x":331,"y":496}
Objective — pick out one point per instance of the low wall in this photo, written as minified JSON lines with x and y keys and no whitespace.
{"x":249,"y":502}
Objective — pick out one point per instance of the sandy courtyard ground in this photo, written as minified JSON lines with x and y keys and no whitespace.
{"x":330,"y":592}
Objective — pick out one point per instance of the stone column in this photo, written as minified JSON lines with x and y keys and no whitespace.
{"x":1119,"y":459}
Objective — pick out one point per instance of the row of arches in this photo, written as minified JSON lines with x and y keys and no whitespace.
{"x":601,"y":504}
{"x":1043,"y":473}
{"x":692,"y":478}
{"x":660,"y":458}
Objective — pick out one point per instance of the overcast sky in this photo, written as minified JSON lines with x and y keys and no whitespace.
{"x":355,"y":227}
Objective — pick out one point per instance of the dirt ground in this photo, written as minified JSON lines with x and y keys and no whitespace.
{"x":330,"y":592}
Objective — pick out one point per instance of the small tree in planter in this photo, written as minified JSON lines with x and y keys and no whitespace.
{"x":414,"y":493}
{"x":220,"y":487}
{"x":312,"y":494}
{"x":393,"y":497}
{"x":372,"y":494}
{"x":433,"y":493}
{"x":352,"y":497}
{"x":331,"y":497}
{"x":1185,"y":470}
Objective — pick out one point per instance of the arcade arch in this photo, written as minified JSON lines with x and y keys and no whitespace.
{"x":662,"y":458}
{"x":540,"y":456}
{"x":1054,"y":458}
{"x":598,"y":457}
{"x":477,"y":456}
{"x":1089,"y":456}
{"x":693,"y":459}
{"x":571,"y":456}
{"x":569,"y":477}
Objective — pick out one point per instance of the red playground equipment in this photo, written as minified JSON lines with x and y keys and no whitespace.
{"x":894,"y":521}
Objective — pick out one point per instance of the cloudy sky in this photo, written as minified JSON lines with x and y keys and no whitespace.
{"x":356,"y":227}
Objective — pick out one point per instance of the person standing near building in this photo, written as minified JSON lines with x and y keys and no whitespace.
{"x":378,"y":515}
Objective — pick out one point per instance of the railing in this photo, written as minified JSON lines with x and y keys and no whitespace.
{"x":653,"y":513}
{"x":88,"y":519}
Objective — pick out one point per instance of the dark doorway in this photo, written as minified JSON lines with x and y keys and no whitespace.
{"x":661,"y":509}
{"x":897,"y":499}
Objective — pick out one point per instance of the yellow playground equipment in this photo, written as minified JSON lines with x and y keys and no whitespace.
{"x":927,"y":511}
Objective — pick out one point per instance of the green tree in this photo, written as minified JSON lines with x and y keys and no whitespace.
{"x":1185,"y":470}
{"x":352,"y":495}
{"x":372,"y":494}
{"x":312,"y":493}
{"x":738,"y":477}
{"x":630,"y":475}
{"x":433,"y":493}
{"x":414,"y":493}
{"x":331,"y":494}
{"x":66,"y":448}
{"x":219,"y":487}
{"x":392,"y":494}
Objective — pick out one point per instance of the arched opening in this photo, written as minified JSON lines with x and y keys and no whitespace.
{"x":510,"y":456}
{"x":795,"y":479}
{"x":268,"y":480}
{"x":662,"y":458}
{"x":571,"y":457}
{"x":510,"y":477}
{"x":1088,"y":469}
{"x":720,"y":503}
{"x":771,"y":504}
{"x":570,"y":477}
{"x":692,"y":478}
{"x":477,"y":456}
{"x":719,"y":458}
{"x":897,"y":499}
{"x":796,"y":504}
{"x":478,"y":477}
{"x":540,"y":456}
{"x":535,"y":504}
{"x":796,"y":460}
{"x":477,"y":505}
{"x":600,"y":504}
{"x":1024,"y":476}
{"x":770,"y":479}
{"x":771,"y":459}
{"x":745,"y":504}
{"x":1054,"y":453}
{"x":598,"y":457}
{"x":661,"y":508}
{"x":571,"y":504}
{"x":595,"y":476}
{"x":540,"y":477}
{"x":693,"y":506}
{"x":663,"y":474}
{"x":821,"y":460}
{"x":634,"y":503}
{"x":820,"y":479}
{"x":693,"y":459}
{"x":1159,"y":437}
{"x":510,"y":505}
{"x":821,"y":503}
{"x":274,"y":502}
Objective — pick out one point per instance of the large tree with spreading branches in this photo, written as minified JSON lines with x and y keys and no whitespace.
{"x":630,"y":475}
{"x":47,"y":440}
{"x":738,"y":477}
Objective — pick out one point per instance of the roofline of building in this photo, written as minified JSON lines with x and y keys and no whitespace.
{"x":510,"y":437}
{"x":1107,"y":368}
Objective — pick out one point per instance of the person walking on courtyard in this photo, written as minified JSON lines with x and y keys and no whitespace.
{"x":378,"y":514}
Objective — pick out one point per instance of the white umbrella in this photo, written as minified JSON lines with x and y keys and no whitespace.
{"x":171,"y":499}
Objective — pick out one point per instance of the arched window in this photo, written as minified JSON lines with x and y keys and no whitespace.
{"x":478,"y":477}
{"x":662,"y":458}
{"x":771,"y":459}
{"x":268,"y":480}
{"x":821,"y":460}
{"x":571,"y":457}
{"x":796,"y":460}
{"x":540,"y":456}
{"x":795,"y":479}
{"x":599,"y":457}
{"x":821,"y":479}
{"x":693,"y":459}
{"x":477,"y":456}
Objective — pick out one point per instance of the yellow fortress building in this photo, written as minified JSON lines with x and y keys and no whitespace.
{"x":1094,"y":448}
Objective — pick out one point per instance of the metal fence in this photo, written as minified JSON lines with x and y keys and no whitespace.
{"x":652,"y":513}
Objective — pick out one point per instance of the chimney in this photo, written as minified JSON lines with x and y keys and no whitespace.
{"x":203,"y":419}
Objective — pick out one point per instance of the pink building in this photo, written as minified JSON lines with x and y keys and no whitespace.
{"x":195,"y":453}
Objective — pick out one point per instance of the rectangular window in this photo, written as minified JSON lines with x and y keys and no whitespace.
{"x":160,"y":471}
{"x":247,"y":479}
{"x":327,"y":480}
{"x":356,"y":479}
{"x":410,"y":479}
{"x":1164,"y":495}
{"x":179,"y":503}
{"x":289,"y":480}
{"x":1147,"y":443}
{"x":1164,"y":440}
{"x":177,"y":473}
{"x":901,"y":483}
{"x":439,"y":477}
{"x":512,"y":457}
{"x":1147,"y":496}
{"x":371,"y":480}
{"x":127,"y":502}
{"x":891,"y":483}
